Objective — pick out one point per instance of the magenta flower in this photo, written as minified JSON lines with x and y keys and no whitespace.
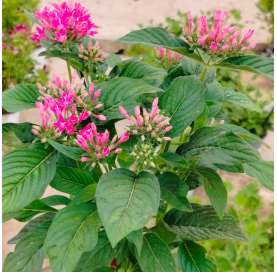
{"x":63,"y":21}
{"x":97,"y":144}
{"x":218,"y":38}
{"x":59,"y":106}
{"x":148,"y":124}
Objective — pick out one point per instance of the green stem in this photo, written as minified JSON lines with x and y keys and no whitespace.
{"x":203,"y":73}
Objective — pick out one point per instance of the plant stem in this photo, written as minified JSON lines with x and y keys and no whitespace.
{"x":203,"y":73}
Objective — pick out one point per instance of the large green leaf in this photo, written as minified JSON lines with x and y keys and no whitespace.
{"x":71,"y":152}
{"x":123,"y":91}
{"x":126,"y":201}
{"x":217,"y":93}
{"x":217,"y":146}
{"x":155,"y":255}
{"x":136,"y":238}
{"x":174,"y":191}
{"x":263,"y":171}
{"x":26,"y":174}
{"x":74,"y":231}
{"x":191,"y":258}
{"x":157,"y":37}
{"x":214,"y":188}
{"x":101,"y":256}
{"x":71,"y":180}
{"x":20,"y":97}
{"x":29,"y":252}
{"x":183,"y":102}
{"x":136,"y":69}
{"x":202,"y":224}
{"x":23,"y":131}
{"x":253,"y":63}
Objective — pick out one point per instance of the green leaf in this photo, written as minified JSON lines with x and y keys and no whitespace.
{"x":158,"y":37}
{"x":29,"y":253}
{"x":214,"y":188}
{"x":73,"y":231}
{"x":217,"y":93}
{"x":217,"y":147}
{"x":126,"y":201}
{"x":183,"y":102}
{"x":123,"y":91}
{"x":174,"y":160}
{"x":85,"y":195}
{"x":23,"y":131}
{"x":38,"y":225}
{"x":155,"y":255}
{"x":174,"y":191}
{"x":26,"y":174}
{"x":136,"y":238}
{"x":253,"y":63}
{"x":136,"y":69}
{"x":71,"y":180}
{"x":202,"y":224}
{"x":191,"y":258}
{"x":71,"y":152}
{"x":101,"y":256}
{"x":20,"y":97}
{"x":263,"y":171}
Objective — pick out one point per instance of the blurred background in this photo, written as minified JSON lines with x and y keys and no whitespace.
{"x":252,"y":205}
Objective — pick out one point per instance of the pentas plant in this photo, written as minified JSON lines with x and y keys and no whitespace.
{"x":126,"y":144}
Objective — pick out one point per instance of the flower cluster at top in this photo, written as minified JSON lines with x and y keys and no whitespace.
{"x":97,"y":144}
{"x":215,"y":36}
{"x":59,"y":108}
{"x":148,"y":124}
{"x":63,"y":21}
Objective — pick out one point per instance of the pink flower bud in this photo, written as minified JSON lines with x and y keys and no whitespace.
{"x":118,"y":150}
{"x":167,"y":139}
{"x":190,"y":24}
{"x":123,"y":111}
{"x":155,"y":108}
{"x":106,"y":152}
{"x":213,"y":47}
{"x":202,"y":25}
{"x":167,"y":128}
{"x":84,"y":159}
{"x":124,"y":138}
{"x":137,"y":110}
{"x":91,"y":89}
{"x":100,"y":117}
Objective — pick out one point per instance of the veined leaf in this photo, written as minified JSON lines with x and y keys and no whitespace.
{"x":71,"y":180}
{"x":98,"y":258}
{"x":155,"y":255}
{"x":174,"y":191}
{"x":217,"y":93}
{"x":183,"y":102}
{"x":202,"y":224}
{"x":191,"y":258}
{"x":263,"y":171}
{"x":253,"y":63}
{"x":136,"y":69}
{"x":71,"y":152}
{"x":136,"y":238}
{"x":174,"y":160}
{"x":123,"y":91}
{"x":158,"y":37}
{"x":126,"y":201}
{"x":26,"y":174}
{"x":29,"y":253}
{"x":217,"y":147}
{"x":73,"y":231}
{"x":20,"y":97}
{"x":214,"y":188}
{"x":23,"y":131}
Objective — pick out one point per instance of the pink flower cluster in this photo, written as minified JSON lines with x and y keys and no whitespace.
{"x":59,"y":107}
{"x":63,"y":21}
{"x":217,"y":37}
{"x":97,"y":144}
{"x":168,"y":55}
{"x":144,"y":123}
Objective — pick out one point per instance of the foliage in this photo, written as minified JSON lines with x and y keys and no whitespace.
{"x":17,"y":45}
{"x":257,"y":253}
{"x":126,"y":144}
